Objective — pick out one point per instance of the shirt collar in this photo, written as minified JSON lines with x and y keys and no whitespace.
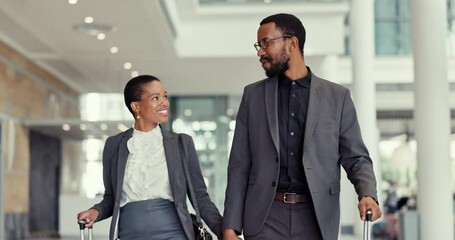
{"x":304,"y":81}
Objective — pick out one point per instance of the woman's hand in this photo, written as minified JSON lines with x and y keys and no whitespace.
{"x":89,"y":216}
{"x":229,"y":234}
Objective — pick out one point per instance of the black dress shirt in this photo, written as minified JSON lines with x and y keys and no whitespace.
{"x":293,"y":98}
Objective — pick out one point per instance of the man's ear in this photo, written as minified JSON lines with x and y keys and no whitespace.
{"x":294,"y":43}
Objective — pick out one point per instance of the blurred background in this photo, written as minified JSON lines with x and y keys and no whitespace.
{"x":64,"y":63}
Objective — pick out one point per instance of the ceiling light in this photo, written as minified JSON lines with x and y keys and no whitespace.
{"x":134,"y":73}
{"x":114,"y":50}
{"x":83,"y":127}
{"x":72,"y":1}
{"x":187,"y":112}
{"x":127,"y":65}
{"x":103,"y":126}
{"x":230,"y":112}
{"x":100,"y":36}
{"x":88,"y":19}
{"x":94,"y":29}
{"x":267,"y":1}
{"x":66,"y":127}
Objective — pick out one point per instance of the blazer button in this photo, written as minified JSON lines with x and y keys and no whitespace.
{"x":273,"y":184}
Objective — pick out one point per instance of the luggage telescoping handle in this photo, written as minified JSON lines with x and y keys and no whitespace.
{"x":366,"y":225}
{"x":82,"y":230}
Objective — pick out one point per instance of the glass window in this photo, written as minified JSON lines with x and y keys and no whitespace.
{"x":208,"y":120}
{"x":392,"y":27}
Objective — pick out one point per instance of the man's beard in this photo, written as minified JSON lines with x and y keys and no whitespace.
{"x":279,"y":66}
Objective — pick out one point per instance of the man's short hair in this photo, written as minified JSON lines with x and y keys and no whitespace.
{"x":288,"y":24}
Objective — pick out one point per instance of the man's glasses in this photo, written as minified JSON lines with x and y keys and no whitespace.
{"x":264,"y":43}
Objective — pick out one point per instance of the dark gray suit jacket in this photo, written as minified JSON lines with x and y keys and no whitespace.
{"x":332,"y":139}
{"x":115,"y":155}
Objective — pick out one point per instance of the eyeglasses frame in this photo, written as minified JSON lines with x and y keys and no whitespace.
{"x":257,"y":45}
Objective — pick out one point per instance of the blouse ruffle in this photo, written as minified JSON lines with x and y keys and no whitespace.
{"x":146,"y":154}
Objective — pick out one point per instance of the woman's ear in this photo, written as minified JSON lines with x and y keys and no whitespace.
{"x":134,"y":106}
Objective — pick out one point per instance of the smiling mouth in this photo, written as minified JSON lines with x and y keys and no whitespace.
{"x":264,"y":61}
{"x":163,"y":111}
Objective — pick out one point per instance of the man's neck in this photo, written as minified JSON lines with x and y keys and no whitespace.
{"x":297,"y":71}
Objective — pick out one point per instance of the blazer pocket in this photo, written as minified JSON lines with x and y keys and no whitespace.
{"x":335,"y":188}
{"x":251,"y":180}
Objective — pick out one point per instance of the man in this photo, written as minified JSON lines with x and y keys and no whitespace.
{"x":294,"y":130}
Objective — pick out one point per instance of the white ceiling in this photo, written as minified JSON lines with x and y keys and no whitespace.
{"x":192,"y":49}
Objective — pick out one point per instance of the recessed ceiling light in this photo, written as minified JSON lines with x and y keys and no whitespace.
{"x":134,"y":73}
{"x":66,"y":127}
{"x":103,"y":126}
{"x":114,"y":49}
{"x":100,"y":36}
{"x":187,"y":112}
{"x":94,"y":29}
{"x":127,"y":65}
{"x":72,"y":1}
{"x":230,"y":112}
{"x":83,"y":127}
{"x":88,"y":19}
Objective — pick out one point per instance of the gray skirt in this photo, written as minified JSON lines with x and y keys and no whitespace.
{"x":150,"y":219}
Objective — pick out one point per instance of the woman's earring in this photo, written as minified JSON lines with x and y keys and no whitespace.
{"x":137,"y":116}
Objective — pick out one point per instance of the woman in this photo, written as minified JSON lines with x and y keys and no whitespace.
{"x":144,"y":180}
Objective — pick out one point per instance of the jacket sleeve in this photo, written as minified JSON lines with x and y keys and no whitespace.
{"x":355,"y":158}
{"x":106,"y":206}
{"x":238,"y":171}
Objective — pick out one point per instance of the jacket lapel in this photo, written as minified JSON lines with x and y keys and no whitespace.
{"x":271,"y":99}
{"x":314,"y":106}
{"x":170,"y":143}
{"x":123,"y":153}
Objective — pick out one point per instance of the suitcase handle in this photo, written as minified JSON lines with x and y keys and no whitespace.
{"x":366,"y":225}
{"x":82,"y":223}
{"x":369,"y":215}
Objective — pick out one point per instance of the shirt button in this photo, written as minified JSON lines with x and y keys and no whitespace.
{"x":293,"y":95}
{"x":292,"y":114}
{"x":291,"y":153}
{"x":292,"y":133}
{"x":293,"y":83}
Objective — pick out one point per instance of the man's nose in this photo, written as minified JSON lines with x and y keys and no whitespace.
{"x":261,"y":52}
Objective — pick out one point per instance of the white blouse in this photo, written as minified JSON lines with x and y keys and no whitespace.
{"x":146,"y":173}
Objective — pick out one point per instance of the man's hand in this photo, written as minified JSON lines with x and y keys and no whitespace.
{"x":89,"y":215}
{"x":368,"y":203}
{"x":229,"y":234}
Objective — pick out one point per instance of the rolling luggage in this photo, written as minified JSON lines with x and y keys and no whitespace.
{"x":82,"y":230}
{"x":366,"y":226}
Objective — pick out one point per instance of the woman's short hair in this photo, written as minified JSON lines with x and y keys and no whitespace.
{"x":133,"y":89}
